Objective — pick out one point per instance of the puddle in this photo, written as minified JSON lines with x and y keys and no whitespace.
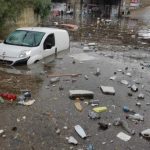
{"x":83,"y":57}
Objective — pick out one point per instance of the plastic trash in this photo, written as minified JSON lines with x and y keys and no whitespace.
{"x":1,"y":100}
{"x":97,"y":72}
{"x":124,"y":125}
{"x":54,"y":80}
{"x":72,"y":140}
{"x":146,"y":133}
{"x":127,"y":109}
{"x":125,"y":82}
{"x":90,"y":147}
{"x":95,"y":102}
{"x":123,"y":136}
{"x":100,"y":109}
{"x":137,"y":117}
{"x":134,"y":88}
{"x":113,"y":78}
{"x":141,"y":96}
{"x":26,"y":103}
{"x":93,"y":115}
{"x":78,"y":105}
{"x":108,"y":90}
{"x":103,"y":126}
{"x":8,"y":96}
{"x":86,"y":77}
{"x":80,"y":131}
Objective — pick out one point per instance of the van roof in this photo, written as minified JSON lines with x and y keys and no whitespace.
{"x":40,"y":29}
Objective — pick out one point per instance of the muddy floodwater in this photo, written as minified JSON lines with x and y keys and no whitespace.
{"x":49,"y":122}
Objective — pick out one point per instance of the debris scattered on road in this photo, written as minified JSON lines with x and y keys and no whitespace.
{"x":72,"y":140}
{"x":124,"y":125}
{"x":58,"y":131}
{"x":86,"y":77}
{"x":54,"y":80}
{"x":134,"y":88}
{"x":97,"y":72}
{"x":81,"y":93}
{"x":125,"y":82}
{"x":138,"y":104}
{"x":123,"y":136}
{"x":108,"y":90}
{"x":90,"y":147}
{"x":26,"y":103}
{"x":128,"y":74}
{"x":137,"y":117}
{"x":100,"y":109}
{"x":141,"y":96}
{"x":103,"y":126}
{"x":113,"y":78}
{"x":78,"y":104}
{"x":80,"y":131}
{"x":93,"y":115}
{"x":146,"y":134}
{"x":127,"y":109}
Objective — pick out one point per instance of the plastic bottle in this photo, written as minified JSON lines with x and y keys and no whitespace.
{"x":137,"y":117}
{"x":127,"y":109}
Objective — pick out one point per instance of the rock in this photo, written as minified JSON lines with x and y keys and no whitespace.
{"x":108,"y":90}
{"x":137,"y":117}
{"x":128,"y":74}
{"x":124,"y":82}
{"x":1,"y":131}
{"x":129,"y":94}
{"x":113,"y":78}
{"x":54,"y":80}
{"x":72,"y":140}
{"x":134,"y":88}
{"x":141,"y":96}
{"x":27,"y":103}
{"x":58,"y":131}
{"x":81,"y":93}
{"x":103,"y":126}
{"x":138,"y":104}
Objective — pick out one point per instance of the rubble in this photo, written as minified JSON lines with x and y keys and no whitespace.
{"x":134,"y":88}
{"x":93,"y":115}
{"x":100,"y":109}
{"x":146,"y":134}
{"x":81,"y":93}
{"x":72,"y":140}
{"x":123,"y":136}
{"x":103,"y":126}
{"x":141,"y":96}
{"x":108,"y":90}
{"x":125,"y":82}
{"x":80,"y":131}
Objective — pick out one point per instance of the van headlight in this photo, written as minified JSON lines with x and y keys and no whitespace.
{"x":24,"y":54}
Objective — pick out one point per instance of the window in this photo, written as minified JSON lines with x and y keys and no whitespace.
{"x":25,"y":38}
{"x":49,"y":42}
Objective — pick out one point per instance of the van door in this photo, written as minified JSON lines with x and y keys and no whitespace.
{"x":49,"y":45}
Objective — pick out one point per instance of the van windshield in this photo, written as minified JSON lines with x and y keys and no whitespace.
{"x":25,"y":38}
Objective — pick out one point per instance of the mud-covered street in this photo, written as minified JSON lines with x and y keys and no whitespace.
{"x":48,"y":123}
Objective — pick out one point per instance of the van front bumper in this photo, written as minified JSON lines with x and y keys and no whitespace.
{"x":14,"y":61}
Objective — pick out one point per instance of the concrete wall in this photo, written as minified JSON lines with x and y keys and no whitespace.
{"x":28,"y":18}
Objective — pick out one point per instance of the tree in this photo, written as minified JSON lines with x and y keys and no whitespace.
{"x":11,"y":9}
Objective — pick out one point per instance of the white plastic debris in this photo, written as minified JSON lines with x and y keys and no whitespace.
{"x":134,"y":88}
{"x":146,"y":133}
{"x":125,"y":82}
{"x":113,"y":78}
{"x":72,"y":140}
{"x":81,"y":93}
{"x":54,"y":80}
{"x":80,"y":131}
{"x":137,"y":117}
{"x":128,"y":74}
{"x":123,"y":136}
{"x":91,"y":44}
{"x":1,"y":131}
{"x":108,"y":90}
{"x":141,"y":96}
{"x":27,"y":103}
{"x":97,"y":72}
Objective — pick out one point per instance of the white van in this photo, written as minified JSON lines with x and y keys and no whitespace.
{"x":31,"y":44}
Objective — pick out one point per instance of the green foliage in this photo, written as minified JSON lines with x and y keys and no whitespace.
{"x":11,"y":9}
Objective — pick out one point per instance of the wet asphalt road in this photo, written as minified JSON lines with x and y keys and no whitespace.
{"x":37,"y":124}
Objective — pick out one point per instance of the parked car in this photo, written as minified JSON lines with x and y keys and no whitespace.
{"x":31,"y":44}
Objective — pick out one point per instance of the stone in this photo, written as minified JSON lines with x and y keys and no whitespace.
{"x":72,"y":140}
{"x":54,"y":80}
{"x":108,"y":90}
